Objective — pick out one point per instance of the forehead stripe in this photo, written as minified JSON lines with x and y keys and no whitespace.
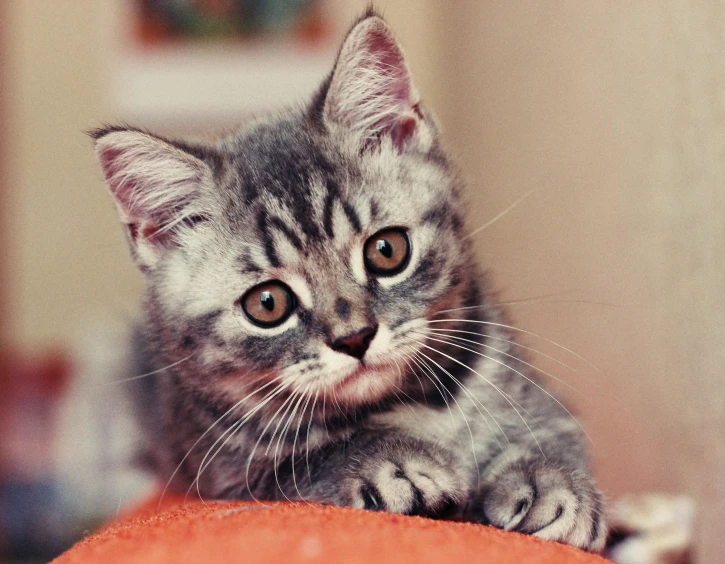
{"x":333,"y":194}
{"x":352,"y":216}
{"x":282,"y":227}
{"x":266,"y":225}
{"x":266,"y":237}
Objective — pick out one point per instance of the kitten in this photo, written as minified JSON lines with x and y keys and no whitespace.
{"x":319,"y":324}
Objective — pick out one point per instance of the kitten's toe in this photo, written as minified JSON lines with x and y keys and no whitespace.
{"x":547,"y":502}
{"x":390,"y":489}
{"x":412,"y":483}
{"x":507,"y":502}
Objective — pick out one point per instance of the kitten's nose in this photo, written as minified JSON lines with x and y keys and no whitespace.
{"x":356,"y":344}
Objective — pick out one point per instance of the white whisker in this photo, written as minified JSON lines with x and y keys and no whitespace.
{"x":231,"y":431}
{"x":563,"y":382}
{"x":261,"y":436}
{"x":531,"y":381}
{"x":465,"y":419}
{"x":495,"y":387}
{"x":132,"y":378}
{"x":474,"y":400}
{"x":440,"y":390}
{"x":282,"y":436}
{"x":511,"y":327}
{"x":307,"y":440}
{"x":510,"y":342}
{"x":500,"y":215}
{"x":223,"y":416}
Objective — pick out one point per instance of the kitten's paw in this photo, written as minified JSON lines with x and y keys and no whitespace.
{"x":409,"y":478}
{"x":545,"y":501}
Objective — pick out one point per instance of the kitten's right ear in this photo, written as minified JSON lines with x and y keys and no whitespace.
{"x":371,"y":92}
{"x":158,"y":188}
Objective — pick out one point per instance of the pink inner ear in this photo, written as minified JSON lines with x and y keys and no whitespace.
{"x":123,"y":190}
{"x":371,"y":90}
{"x":133,"y":184}
{"x":389,"y":60}
{"x":402,"y":131}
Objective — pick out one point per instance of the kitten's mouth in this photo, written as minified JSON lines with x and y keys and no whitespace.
{"x":365,"y":383}
{"x":356,"y":373}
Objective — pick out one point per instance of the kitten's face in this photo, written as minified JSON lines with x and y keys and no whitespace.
{"x":316,"y":256}
{"x":306,"y":251}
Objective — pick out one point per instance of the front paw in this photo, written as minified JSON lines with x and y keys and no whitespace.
{"x":546,"y":501}
{"x":408,"y":477}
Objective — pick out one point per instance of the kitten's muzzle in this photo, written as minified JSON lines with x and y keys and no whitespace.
{"x":356,"y":344}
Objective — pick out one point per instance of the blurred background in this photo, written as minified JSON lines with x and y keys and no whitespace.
{"x":614,"y":112}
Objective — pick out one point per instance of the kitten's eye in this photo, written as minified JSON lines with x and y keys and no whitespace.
{"x":268,"y":304}
{"x":387,"y":252}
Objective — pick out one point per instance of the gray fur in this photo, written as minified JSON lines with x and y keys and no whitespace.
{"x":443,"y":420}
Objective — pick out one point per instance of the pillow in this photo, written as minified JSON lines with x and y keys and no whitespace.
{"x":251,"y":532}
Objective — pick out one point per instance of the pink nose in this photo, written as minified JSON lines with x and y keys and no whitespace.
{"x":356,"y":344}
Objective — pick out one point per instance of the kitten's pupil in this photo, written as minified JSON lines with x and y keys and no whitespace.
{"x":267,"y":301}
{"x":384,"y":248}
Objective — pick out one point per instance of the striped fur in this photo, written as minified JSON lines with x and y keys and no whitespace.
{"x":441,"y":417}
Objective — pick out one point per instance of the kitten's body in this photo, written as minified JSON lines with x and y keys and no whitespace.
{"x":435,"y":414}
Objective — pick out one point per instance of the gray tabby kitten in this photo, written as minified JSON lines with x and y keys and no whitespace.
{"x":319,"y":325}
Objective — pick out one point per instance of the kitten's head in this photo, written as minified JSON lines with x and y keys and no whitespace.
{"x":308,"y":250}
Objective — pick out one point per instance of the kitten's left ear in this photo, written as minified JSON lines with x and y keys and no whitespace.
{"x":160,"y":188}
{"x":371,"y":91}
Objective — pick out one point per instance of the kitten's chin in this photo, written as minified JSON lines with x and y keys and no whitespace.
{"x":366,"y":384}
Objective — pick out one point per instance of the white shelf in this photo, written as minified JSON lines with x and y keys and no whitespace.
{"x":195,"y":84}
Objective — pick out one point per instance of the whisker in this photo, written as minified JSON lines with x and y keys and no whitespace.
{"x":563,"y":382}
{"x":543,"y":298}
{"x":414,"y":373}
{"x":307,"y":440}
{"x":494,"y":386}
{"x":294,"y":443}
{"x":231,"y":431}
{"x":474,"y":400}
{"x":400,"y":379}
{"x":261,"y":436}
{"x":511,"y":327}
{"x":283,"y":435}
{"x":132,"y":378}
{"x":337,"y":403}
{"x":568,"y":302}
{"x":324,"y":419}
{"x":465,"y":420}
{"x":441,"y":390}
{"x":500,"y":215}
{"x":510,"y":342}
{"x":294,"y":394}
{"x":223,"y":416}
{"x":531,"y":381}
{"x":494,"y":304}
{"x":507,"y":396}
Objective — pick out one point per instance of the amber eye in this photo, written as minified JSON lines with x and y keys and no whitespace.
{"x":387,"y":252}
{"x":268,"y":304}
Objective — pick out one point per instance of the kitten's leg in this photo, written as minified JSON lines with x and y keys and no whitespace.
{"x":394,"y":473}
{"x":521,"y":491}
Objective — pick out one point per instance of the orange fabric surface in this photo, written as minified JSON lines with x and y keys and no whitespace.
{"x":298,"y":532}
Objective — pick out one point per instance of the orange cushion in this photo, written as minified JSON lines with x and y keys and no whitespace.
{"x":298,"y":532}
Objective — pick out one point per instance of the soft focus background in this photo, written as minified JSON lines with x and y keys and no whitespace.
{"x":613,"y":111}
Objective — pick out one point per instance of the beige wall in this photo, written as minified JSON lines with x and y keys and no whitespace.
{"x":615,"y":111}
{"x":67,"y":264}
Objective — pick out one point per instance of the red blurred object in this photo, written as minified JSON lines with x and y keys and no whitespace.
{"x":31,"y":388}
